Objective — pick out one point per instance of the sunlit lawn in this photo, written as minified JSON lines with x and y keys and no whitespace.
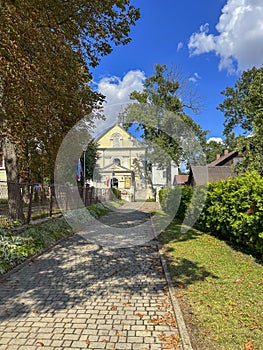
{"x":222,"y":287}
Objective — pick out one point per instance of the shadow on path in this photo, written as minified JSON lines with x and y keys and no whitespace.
{"x":76,"y":271}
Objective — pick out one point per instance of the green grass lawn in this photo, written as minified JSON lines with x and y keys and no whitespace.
{"x":220,"y":290}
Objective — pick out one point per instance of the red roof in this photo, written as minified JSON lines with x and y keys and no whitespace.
{"x":181,"y":179}
{"x":223,"y":159}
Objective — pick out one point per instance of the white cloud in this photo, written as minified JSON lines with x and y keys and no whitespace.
{"x":194,"y":78}
{"x":216,"y":139}
{"x":180,"y":46}
{"x":239,"y":42}
{"x":117,"y":92}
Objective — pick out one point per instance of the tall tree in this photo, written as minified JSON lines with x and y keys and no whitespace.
{"x":212,"y":149}
{"x":47,"y":49}
{"x":91,"y":157}
{"x":243,"y":108}
{"x":160,"y":114}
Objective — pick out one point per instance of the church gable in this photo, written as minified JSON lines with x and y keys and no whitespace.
{"x":115,"y":167}
{"x":117,"y":137}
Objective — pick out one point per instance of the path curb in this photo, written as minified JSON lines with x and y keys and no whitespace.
{"x":186,"y":343}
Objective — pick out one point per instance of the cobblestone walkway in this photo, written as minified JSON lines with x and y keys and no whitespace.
{"x":80,"y":295}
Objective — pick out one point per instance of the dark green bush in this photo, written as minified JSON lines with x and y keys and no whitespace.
{"x":175,"y":201}
{"x":116,"y":193}
{"x":234,"y":211}
{"x":160,"y":193}
{"x":195,"y":203}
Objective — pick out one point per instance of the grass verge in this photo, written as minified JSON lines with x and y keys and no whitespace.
{"x":219,"y":289}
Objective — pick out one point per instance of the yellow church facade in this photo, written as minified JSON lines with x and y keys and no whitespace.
{"x":122,"y":163}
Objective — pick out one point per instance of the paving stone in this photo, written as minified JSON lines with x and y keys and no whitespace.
{"x":16,"y":341}
{"x":4,"y":341}
{"x":80,"y":295}
{"x":57,"y":343}
{"x":71,"y":337}
{"x":9,"y":347}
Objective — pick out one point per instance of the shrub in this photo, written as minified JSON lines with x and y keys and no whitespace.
{"x":16,"y":247}
{"x":116,"y":193}
{"x":160,"y":193}
{"x":234,"y":211}
{"x":12,"y":250}
{"x":195,"y":201}
{"x":175,"y":201}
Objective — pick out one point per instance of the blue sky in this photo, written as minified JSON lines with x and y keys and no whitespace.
{"x":210,"y":41}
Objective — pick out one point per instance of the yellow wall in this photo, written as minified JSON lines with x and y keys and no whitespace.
{"x":2,"y":175}
{"x":127,"y":140}
{"x":127,"y":150}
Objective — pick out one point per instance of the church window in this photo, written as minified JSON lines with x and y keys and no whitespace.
{"x":116,"y":140}
{"x":117,"y":161}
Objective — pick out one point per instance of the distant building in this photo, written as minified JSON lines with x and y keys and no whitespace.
{"x":160,"y":177}
{"x":181,"y":180}
{"x":227,"y":159}
{"x":122,"y":163}
{"x":222,"y":168}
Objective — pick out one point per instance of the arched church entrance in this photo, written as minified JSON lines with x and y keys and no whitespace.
{"x":115,"y":182}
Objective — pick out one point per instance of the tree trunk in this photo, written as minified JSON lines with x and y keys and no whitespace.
{"x":30,"y":199}
{"x":15,"y":203}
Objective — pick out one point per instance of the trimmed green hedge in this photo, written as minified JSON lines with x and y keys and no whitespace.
{"x":233,"y":209}
{"x":175,"y":200}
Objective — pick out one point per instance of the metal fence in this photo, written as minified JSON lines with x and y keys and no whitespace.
{"x":38,"y":201}
{"x":74,"y":197}
{"x":46,"y":200}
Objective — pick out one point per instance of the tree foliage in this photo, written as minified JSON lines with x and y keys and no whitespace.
{"x":91,"y":157}
{"x":160,"y":114}
{"x":212,"y":149}
{"x":47,"y":47}
{"x":243,"y":107}
{"x":234,"y":211}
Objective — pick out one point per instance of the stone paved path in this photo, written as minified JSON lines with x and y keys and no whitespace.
{"x":80,"y":295}
{"x":127,"y":226}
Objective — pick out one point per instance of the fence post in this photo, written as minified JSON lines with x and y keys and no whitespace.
{"x":30,"y":199}
{"x":67,"y":197}
{"x":88,"y":194}
{"x":92,"y":195}
{"x":50,"y":188}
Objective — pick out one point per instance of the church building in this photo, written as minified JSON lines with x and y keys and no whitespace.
{"x":122,"y":163}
